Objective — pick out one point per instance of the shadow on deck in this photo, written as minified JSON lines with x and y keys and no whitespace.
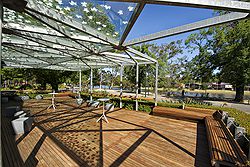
{"x":70,"y":135}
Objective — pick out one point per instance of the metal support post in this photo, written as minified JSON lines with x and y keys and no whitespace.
{"x":121,"y":75}
{"x":145,"y":86}
{"x":136,"y":86}
{"x":91,"y":83}
{"x":156,"y":83}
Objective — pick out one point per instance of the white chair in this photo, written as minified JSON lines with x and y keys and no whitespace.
{"x":17,"y":114}
{"x":79,"y":101}
{"x":94,"y":104}
{"x":109,"y":107}
{"x":22,"y":125}
{"x":39,"y":97}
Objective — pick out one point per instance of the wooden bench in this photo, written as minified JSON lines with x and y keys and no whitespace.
{"x":224,"y":150}
{"x":180,"y":114}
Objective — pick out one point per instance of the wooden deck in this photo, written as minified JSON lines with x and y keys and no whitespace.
{"x":70,"y":136}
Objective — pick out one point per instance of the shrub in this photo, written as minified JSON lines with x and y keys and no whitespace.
{"x":145,"y":108}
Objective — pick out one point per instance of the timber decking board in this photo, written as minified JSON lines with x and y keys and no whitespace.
{"x":70,"y":136}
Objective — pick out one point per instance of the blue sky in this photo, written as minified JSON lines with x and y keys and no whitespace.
{"x":156,"y":18}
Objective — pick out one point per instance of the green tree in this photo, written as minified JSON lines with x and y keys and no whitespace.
{"x":163,"y":54}
{"x":52,"y":77}
{"x":231,"y":47}
{"x":201,"y":66}
{"x":226,"y":49}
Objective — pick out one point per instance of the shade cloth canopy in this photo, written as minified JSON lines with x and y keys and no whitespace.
{"x":75,"y":35}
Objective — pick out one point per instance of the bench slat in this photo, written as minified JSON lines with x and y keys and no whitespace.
{"x":223,"y":148}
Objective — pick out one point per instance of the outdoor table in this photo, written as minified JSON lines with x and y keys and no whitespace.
{"x":52,"y":101}
{"x":103,"y":111}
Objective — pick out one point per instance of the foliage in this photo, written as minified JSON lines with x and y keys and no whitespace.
{"x":200,"y":66}
{"x":168,"y":68}
{"x":224,"y":49}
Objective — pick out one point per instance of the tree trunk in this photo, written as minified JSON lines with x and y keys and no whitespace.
{"x":239,"y":93}
{"x":43,"y":86}
{"x":54,"y":86}
{"x":139,"y":86}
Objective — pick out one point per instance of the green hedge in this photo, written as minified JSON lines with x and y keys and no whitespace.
{"x":241,"y":118}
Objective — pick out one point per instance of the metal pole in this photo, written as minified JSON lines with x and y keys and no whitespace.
{"x":80,"y":81}
{"x":91,"y":83}
{"x":148,"y":81}
{"x":1,"y":20}
{"x":121,"y":75}
{"x":156,"y":83}
{"x":136,"y":86}
{"x":145,"y":86}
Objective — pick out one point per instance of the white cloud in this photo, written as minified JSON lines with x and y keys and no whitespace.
{"x":94,"y":9}
{"x":125,"y":22}
{"x":120,"y":12}
{"x":72,"y":3}
{"x":86,"y":10}
{"x":67,"y":8}
{"x":78,"y":16}
{"x":84,"y":4}
{"x":106,"y":7}
{"x":59,"y":1}
{"x":130,"y":8}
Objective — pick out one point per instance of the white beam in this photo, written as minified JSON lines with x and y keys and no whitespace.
{"x":137,"y":86}
{"x":121,"y":74}
{"x":156,"y":83}
{"x":91,"y":84}
{"x":129,"y":49}
{"x":237,"y":6}
{"x":188,"y":27}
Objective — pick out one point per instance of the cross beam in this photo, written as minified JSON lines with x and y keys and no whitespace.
{"x":237,"y":6}
{"x":189,"y":27}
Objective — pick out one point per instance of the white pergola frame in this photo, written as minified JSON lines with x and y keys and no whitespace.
{"x":57,"y":48}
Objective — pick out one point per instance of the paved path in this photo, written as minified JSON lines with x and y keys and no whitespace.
{"x":242,"y":107}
